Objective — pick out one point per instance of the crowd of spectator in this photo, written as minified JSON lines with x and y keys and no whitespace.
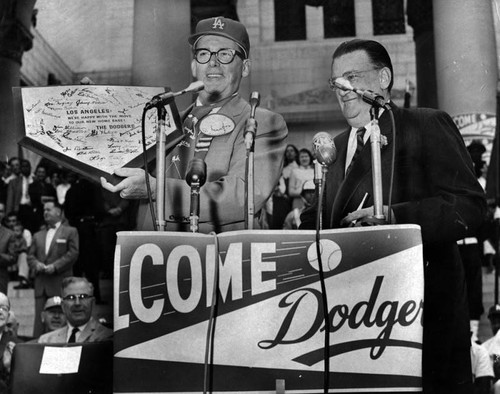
{"x":94,"y":212}
{"x":289,"y":195}
{"x":57,"y":236}
{"x":29,"y":204}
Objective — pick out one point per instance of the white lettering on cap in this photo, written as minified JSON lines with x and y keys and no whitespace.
{"x":218,"y":24}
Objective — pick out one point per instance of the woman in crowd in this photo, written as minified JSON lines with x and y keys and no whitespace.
{"x":281,"y":201}
{"x":304,"y":172}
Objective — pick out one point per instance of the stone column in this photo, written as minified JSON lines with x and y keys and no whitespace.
{"x":15,"y":39}
{"x":314,"y":23}
{"x":420,"y":19}
{"x":161,"y":54}
{"x":466,"y":63}
{"x":364,"y":18}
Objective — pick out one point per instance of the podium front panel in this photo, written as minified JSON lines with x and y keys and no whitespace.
{"x":269,"y":323}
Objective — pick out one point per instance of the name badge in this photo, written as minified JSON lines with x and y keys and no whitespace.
{"x":216,"y":124}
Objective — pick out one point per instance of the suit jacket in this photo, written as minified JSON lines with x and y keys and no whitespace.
{"x":62,"y":253}
{"x":8,"y":255}
{"x":436,"y":188}
{"x":222,"y":198}
{"x":93,"y":332}
{"x":14,"y":192}
{"x":4,"y":371}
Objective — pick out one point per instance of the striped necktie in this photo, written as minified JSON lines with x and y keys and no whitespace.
{"x":178,"y":159}
{"x":360,"y":143}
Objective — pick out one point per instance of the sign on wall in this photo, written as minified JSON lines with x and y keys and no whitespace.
{"x":269,"y":322}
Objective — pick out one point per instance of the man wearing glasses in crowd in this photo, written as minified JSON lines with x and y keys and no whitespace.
{"x":434,"y":187}
{"x":214,"y":131}
{"x":77,"y":304}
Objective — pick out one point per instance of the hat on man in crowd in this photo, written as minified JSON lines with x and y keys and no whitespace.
{"x":494,"y":311}
{"x":53,"y":302}
{"x":225,"y":27}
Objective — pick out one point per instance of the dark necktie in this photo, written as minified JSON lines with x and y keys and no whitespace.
{"x":360,"y":143}
{"x":72,"y":337}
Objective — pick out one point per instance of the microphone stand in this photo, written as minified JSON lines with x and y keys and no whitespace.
{"x":320,"y":171}
{"x":160,"y":168}
{"x":375,"y":142}
{"x":319,"y":181}
{"x":251,"y":130}
{"x":194,"y":214}
{"x":195,"y":178}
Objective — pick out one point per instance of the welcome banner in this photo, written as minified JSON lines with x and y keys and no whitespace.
{"x":269,"y":321}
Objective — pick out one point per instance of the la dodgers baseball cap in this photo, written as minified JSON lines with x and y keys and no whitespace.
{"x":224,"y":27}
{"x":52,"y":302}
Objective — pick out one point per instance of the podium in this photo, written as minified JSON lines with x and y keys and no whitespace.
{"x":269,"y":324}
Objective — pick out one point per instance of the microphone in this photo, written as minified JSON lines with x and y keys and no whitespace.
{"x":197,"y":172}
{"x":368,"y":96}
{"x":254,"y":103}
{"x":323,"y":148}
{"x":325,"y":153}
{"x":162,"y":98}
{"x":196,"y":176}
{"x":251,"y":126}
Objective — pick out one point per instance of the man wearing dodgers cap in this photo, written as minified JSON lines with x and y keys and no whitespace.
{"x":214,"y":132}
{"x":53,"y":316}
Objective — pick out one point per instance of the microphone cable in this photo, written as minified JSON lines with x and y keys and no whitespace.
{"x":146,"y":174}
{"x":209,"y":342}
{"x":326,"y":348}
{"x":393,"y":164}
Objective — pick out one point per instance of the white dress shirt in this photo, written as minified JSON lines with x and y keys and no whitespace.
{"x":50,"y":236}
{"x":353,"y":142}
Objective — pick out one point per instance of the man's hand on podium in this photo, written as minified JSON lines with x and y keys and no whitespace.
{"x":356,"y":218}
{"x":134,"y":184}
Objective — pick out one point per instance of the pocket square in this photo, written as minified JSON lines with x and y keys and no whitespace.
{"x":61,"y":241}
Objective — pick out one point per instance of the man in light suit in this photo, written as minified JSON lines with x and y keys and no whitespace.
{"x":51,"y":257}
{"x":214,"y":131}
{"x":77,"y":304}
{"x":434,"y":187}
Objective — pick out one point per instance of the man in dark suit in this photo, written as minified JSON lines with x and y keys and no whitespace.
{"x":51,"y":256}
{"x":18,"y":198}
{"x":40,"y":191}
{"x":8,"y":254}
{"x":434,"y":187}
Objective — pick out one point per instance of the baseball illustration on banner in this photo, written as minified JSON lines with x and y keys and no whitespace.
{"x":331,"y":255}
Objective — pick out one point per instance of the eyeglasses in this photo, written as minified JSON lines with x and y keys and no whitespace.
{"x":5,"y":308}
{"x":224,"y":56}
{"x":352,"y":76}
{"x":74,"y":297}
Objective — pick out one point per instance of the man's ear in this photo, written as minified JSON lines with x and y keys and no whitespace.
{"x":193,"y":68}
{"x":385,"y":78}
{"x":245,"y":72}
